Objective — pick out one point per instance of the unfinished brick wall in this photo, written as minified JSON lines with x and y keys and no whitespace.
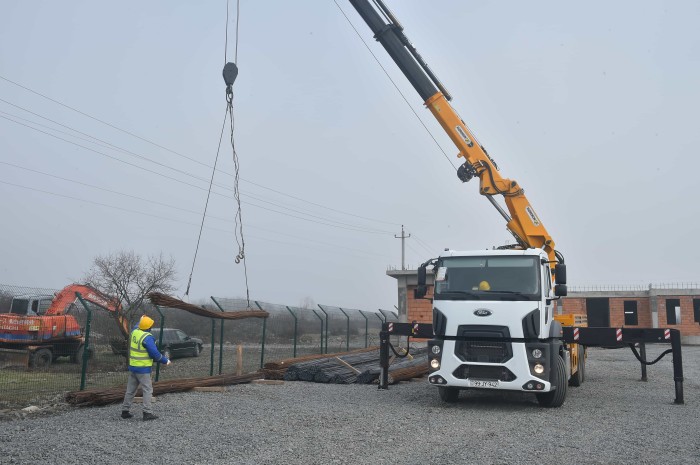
{"x":688,"y":326}
{"x":420,"y":310}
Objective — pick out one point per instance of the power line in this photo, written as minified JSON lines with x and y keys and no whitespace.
{"x":157,"y":173}
{"x":150,"y":215}
{"x":179,"y":154}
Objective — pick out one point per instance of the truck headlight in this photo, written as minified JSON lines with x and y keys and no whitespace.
{"x":435,"y":363}
{"x":538,"y":368}
{"x":536,"y":353}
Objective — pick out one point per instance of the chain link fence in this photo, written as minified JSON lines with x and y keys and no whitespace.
{"x":92,"y":351}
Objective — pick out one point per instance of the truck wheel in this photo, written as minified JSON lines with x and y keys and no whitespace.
{"x":448,"y":394}
{"x":555,"y":398}
{"x":77,"y":356}
{"x":577,"y":378}
{"x":40,"y":359}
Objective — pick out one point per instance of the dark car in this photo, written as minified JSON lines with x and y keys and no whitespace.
{"x":177,"y":344}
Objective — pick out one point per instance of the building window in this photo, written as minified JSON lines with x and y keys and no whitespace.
{"x":631,"y":318}
{"x":673,"y":311}
{"x":696,"y":309}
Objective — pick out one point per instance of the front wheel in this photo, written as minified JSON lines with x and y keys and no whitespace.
{"x":166,"y":353}
{"x":196,"y":350}
{"x":41,"y":359}
{"x":448,"y":394}
{"x":555,"y":398}
{"x":577,"y":378}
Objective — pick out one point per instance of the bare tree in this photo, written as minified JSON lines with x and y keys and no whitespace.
{"x":131,"y":277}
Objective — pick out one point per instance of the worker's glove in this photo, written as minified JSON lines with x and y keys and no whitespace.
{"x":169,"y":362}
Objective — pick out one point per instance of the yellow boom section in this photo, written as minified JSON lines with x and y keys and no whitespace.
{"x":524,"y":223}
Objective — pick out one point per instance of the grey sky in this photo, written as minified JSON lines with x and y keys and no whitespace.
{"x":591,"y":107}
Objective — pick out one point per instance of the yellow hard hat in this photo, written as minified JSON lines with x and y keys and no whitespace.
{"x":145,"y":323}
{"x":484,"y":286}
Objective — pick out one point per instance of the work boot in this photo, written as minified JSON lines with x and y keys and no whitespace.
{"x":149,"y":416}
{"x":126,"y":414}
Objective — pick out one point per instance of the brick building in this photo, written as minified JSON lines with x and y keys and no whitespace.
{"x":652,"y":307}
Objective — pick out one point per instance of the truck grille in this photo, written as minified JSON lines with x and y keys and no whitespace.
{"x":482,"y":344}
{"x":484,"y":372}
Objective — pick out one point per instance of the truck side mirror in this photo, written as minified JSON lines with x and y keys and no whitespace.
{"x":421,"y":289}
{"x":560,"y":290}
{"x":560,"y":273}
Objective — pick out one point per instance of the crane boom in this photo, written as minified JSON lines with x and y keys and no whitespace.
{"x":522,"y":221}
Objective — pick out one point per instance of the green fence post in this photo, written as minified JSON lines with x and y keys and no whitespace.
{"x":213,"y":340}
{"x":347,"y":337}
{"x":320,"y":318}
{"x":86,"y":347}
{"x":366,"y":328}
{"x":160,"y":338}
{"x":324,"y":312}
{"x":262,"y":347}
{"x":221,"y":337}
{"x":295,"y":332}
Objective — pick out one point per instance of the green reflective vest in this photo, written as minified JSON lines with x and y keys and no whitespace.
{"x":138,"y":356}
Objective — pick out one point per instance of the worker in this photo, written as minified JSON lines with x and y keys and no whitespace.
{"x":142,"y":353}
{"x":484,"y":286}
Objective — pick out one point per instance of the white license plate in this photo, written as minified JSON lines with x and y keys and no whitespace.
{"x":477,"y":383}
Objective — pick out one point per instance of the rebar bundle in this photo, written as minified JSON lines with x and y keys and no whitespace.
{"x":102,"y":396}
{"x":164,"y":300}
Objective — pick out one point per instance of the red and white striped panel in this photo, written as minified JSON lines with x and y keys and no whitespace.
{"x":391,"y":327}
{"x":576,"y":334}
{"x":415,"y":328}
{"x":618,"y":334}
{"x":667,"y":334}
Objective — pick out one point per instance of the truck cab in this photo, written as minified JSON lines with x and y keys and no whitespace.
{"x":31,"y":305}
{"x":494,"y":326}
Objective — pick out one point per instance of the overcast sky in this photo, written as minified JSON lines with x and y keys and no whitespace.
{"x":591,"y":107}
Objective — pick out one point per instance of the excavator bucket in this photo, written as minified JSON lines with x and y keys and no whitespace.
{"x":14,"y":358}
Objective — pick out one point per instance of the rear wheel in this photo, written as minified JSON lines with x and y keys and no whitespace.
{"x":555,"y":398}
{"x":41,"y":359}
{"x":77,"y":356}
{"x":448,"y":394}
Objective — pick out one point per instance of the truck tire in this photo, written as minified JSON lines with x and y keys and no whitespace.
{"x":77,"y":356}
{"x":555,"y":398}
{"x":448,"y":394}
{"x":40,"y":359}
{"x":577,"y":378}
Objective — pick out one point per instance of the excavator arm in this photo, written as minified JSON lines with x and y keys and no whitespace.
{"x":66,"y":296}
{"x":521,"y":219}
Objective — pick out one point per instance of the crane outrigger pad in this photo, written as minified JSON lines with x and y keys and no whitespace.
{"x":164,"y":300}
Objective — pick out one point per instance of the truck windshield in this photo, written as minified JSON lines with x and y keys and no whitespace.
{"x":487,"y":278}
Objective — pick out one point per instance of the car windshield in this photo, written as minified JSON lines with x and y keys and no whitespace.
{"x":487,"y":278}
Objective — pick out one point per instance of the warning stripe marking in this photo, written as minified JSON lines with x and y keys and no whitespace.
{"x":667,"y":334}
{"x":618,"y":334}
{"x":576,"y":331}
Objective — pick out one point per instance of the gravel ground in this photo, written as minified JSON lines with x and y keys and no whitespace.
{"x":612,"y":419}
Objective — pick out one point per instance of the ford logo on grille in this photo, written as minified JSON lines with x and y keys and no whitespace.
{"x":482,"y":312}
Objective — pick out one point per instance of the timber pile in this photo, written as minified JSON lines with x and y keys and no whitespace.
{"x":164,"y":300}
{"x":277,"y":369}
{"x":402,"y":370}
{"x":101,"y":396}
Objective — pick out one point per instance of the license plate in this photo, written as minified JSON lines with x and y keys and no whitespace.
{"x":478,"y":383}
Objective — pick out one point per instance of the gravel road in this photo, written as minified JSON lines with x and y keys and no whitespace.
{"x":612,"y":419}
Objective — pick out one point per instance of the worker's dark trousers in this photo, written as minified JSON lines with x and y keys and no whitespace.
{"x":136,"y":379}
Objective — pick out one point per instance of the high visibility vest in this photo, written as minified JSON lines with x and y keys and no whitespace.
{"x":138,"y":355}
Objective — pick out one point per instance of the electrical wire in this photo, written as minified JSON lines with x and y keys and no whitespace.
{"x":173,"y":151}
{"x":449,"y":160}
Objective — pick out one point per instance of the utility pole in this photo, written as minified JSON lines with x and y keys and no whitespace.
{"x":403,"y":238}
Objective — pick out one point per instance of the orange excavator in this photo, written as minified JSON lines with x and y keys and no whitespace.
{"x":39,"y":329}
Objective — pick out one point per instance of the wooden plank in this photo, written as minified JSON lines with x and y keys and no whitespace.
{"x":209,"y":389}
{"x":274,"y":382}
{"x":343,"y":362}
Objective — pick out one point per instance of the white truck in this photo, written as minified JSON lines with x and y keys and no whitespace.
{"x":494,"y":324}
